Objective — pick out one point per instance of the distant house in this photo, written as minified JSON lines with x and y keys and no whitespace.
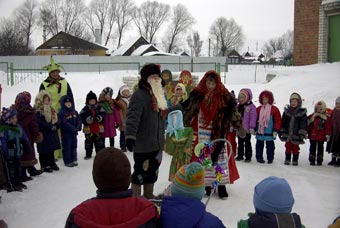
{"x":143,"y":49}
{"x":66,"y":44}
{"x":251,"y":57}
{"x":131,"y":46}
{"x":233,"y":56}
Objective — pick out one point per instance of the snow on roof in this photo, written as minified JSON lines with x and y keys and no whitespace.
{"x":325,"y":2}
{"x":155,"y":53}
{"x":122,"y":49}
{"x":139,"y":51}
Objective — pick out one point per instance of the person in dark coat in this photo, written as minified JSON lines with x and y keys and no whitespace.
{"x":28,"y":121}
{"x":114,"y":205}
{"x":70,"y":124}
{"x":273,"y":202}
{"x":183,"y":207}
{"x":294,"y":128}
{"x":145,"y":128}
{"x":48,"y":125}
{"x":334,"y":144}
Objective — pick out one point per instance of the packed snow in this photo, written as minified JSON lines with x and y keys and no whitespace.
{"x":50,"y":196}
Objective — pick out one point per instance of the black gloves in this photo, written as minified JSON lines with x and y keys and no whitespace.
{"x":130,"y":144}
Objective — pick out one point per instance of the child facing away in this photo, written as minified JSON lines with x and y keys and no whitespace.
{"x":294,"y":128}
{"x":273,"y":202}
{"x":92,"y":116}
{"x":334,"y":144}
{"x":319,"y":130}
{"x":268,"y":125}
{"x":28,"y":121}
{"x":249,"y":116}
{"x":114,"y":205}
{"x":111,"y":119}
{"x":70,"y":124}
{"x":123,"y":99}
{"x":13,"y":140}
{"x":47,"y":118}
{"x":183,"y":207}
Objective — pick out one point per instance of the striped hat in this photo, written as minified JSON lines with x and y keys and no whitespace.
{"x":189,"y":181}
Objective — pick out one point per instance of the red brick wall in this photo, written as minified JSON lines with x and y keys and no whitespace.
{"x":306,"y":31}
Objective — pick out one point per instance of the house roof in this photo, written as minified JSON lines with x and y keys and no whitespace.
{"x":144,"y":48}
{"x":63,"y":40}
{"x":128,"y":44}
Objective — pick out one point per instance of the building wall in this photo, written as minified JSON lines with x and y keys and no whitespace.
{"x":70,"y":52}
{"x":306,"y":31}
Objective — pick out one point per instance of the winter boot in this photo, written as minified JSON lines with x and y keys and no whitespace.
{"x":222,"y":192}
{"x":137,"y":189}
{"x":295,"y":159}
{"x":148,"y":191}
{"x":337,"y":163}
{"x":207,"y":190}
{"x":287,"y":160}
{"x":333,"y":161}
{"x":312,"y":159}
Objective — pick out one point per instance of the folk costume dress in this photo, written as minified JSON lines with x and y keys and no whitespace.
{"x":178,"y":142}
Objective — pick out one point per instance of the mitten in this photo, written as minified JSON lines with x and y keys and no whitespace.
{"x":252,"y":131}
{"x":89,"y":120}
{"x":99,"y":119}
{"x":130,"y":144}
{"x":116,"y":125}
{"x":39,"y":138}
{"x":274,"y":134}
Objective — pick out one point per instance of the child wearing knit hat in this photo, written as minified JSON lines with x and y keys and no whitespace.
{"x":186,"y":192}
{"x":114,"y":205}
{"x":273,"y":201}
{"x":333,"y":145}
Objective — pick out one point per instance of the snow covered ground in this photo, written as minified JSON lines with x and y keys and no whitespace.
{"x":50,"y":197}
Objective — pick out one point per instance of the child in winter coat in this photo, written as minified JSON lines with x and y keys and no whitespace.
{"x":268,"y":125}
{"x":28,"y":121}
{"x":70,"y":124}
{"x":319,"y":130}
{"x":122,"y":100}
{"x":92,"y":116}
{"x":13,"y":140}
{"x":334,"y":143}
{"x":111,"y":119}
{"x":273,"y":202}
{"x":114,"y":205}
{"x":178,"y":142}
{"x":186,"y":193}
{"x":294,"y":128}
{"x":180,"y":94}
{"x":249,"y":116}
{"x":48,"y":125}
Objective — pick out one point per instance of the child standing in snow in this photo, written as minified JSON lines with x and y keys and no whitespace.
{"x":268,"y":125}
{"x":319,"y":130}
{"x":334,"y":144}
{"x":92,"y":116}
{"x":294,"y":128}
{"x":249,"y":116}
{"x":122,"y":100}
{"x":48,"y":125}
{"x":13,"y":140}
{"x":70,"y":124}
{"x":273,"y":202}
{"x":111,"y":119}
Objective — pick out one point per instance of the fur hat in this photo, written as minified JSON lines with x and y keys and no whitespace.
{"x":273,"y":195}
{"x":322,"y":105}
{"x":107,"y":90}
{"x":297,"y":97}
{"x":111,"y":171}
{"x":7,"y":114}
{"x":189,"y":181}
{"x":266,"y":94}
{"x":337,"y":100}
{"x":52,"y":66}
{"x":150,"y":69}
{"x":247,"y":94}
{"x":23,"y":100}
{"x":123,"y":88}
{"x":91,"y":95}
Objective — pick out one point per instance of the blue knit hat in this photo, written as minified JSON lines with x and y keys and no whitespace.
{"x":189,"y":181}
{"x":273,"y":195}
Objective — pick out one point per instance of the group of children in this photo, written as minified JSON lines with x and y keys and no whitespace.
{"x":22,"y":125}
{"x":292,"y":127}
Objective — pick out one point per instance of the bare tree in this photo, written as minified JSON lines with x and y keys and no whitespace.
{"x":272,"y":46}
{"x":226,"y":35}
{"x":125,"y":12}
{"x":26,"y":17}
{"x":195,"y":44}
{"x":12,"y":41}
{"x":149,"y":17}
{"x":288,"y":40}
{"x":181,"y":20}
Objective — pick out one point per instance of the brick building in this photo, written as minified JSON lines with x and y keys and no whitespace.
{"x":316,"y":31}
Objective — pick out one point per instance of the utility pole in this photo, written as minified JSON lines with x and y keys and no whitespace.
{"x":209,"y":47}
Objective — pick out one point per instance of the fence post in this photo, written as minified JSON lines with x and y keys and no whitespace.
{"x":11,"y":67}
{"x":218,"y":68}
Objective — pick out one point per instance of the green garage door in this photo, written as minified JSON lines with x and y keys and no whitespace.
{"x":334,"y":39}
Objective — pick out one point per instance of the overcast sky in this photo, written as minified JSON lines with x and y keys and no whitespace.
{"x":260,"y":19}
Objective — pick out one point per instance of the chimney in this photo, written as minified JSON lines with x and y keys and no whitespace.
{"x":98,"y":36}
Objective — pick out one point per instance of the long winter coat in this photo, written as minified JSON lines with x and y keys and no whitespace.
{"x":116,"y":210}
{"x":249,"y":116}
{"x":112,"y":117}
{"x":334,"y":144}
{"x":294,"y":125}
{"x":97,"y":113}
{"x":123,"y":111}
{"x":318,"y":127}
{"x":69,"y":120}
{"x":184,"y":212}
{"x":274,"y":124}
